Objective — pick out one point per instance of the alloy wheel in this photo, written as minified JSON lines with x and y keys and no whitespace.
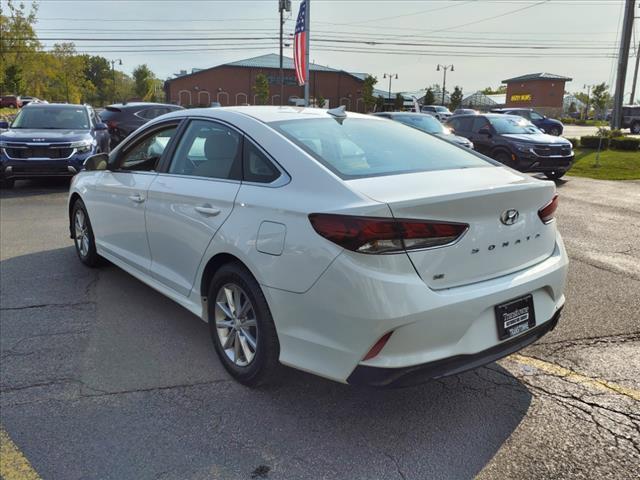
{"x":236,"y":324}
{"x":81,"y":233}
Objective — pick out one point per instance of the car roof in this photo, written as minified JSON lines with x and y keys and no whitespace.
{"x":488,"y":115}
{"x":123,"y":106}
{"x":57,"y":105}
{"x":405,"y":114}
{"x":266,"y":114}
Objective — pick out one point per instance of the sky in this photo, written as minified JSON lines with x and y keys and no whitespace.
{"x":487,"y":41}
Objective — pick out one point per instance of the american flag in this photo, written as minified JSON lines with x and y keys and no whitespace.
{"x":300,"y":45}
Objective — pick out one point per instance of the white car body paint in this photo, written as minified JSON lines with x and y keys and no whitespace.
{"x":330,"y":305}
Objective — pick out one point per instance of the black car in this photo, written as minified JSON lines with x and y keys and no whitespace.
{"x":549,"y":125}
{"x":515,"y":142}
{"x":124,"y":118}
{"x":50,"y":140}
{"x":427,"y":123}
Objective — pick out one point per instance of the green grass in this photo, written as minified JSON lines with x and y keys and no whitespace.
{"x":614,"y":165}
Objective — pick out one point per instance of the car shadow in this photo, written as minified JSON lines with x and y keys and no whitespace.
{"x":136,"y":341}
{"x":36,"y":186}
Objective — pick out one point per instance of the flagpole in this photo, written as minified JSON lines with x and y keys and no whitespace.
{"x":306,"y":62}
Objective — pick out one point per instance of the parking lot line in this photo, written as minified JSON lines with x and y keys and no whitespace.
{"x":576,"y":377}
{"x":13,"y":464}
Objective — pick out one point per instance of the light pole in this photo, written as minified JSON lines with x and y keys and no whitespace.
{"x":390,"y":76}
{"x":444,"y":78}
{"x":282,"y":6}
{"x":113,"y":78}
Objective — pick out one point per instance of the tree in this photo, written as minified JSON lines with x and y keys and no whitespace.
{"x":429,"y":97}
{"x":261,"y":89}
{"x":320,"y":101}
{"x":456,"y":98}
{"x":68,"y":82}
{"x":495,"y":91}
{"x":145,"y":82}
{"x":98,"y":72}
{"x":399,"y":102}
{"x":600,"y":97}
{"x":367,"y":92}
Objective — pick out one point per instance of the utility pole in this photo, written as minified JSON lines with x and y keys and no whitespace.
{"x":307,"y":24}
{"x":586,"y":111}
{"x":623,"y":60}
{"x":282,"y":6}
{"x":390,"y":76}
{"x":444,"y":78}
{"x":635,"y":77}
{"x":113,"y":78}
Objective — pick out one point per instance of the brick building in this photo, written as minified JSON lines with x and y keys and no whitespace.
{"x":542,"y":91}
{"x":231,"y":84}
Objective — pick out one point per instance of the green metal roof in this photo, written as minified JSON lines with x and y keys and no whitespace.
{"x":537,"y":76}
{"x":272,"y":60}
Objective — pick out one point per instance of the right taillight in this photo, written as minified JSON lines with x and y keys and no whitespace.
{"x":547,"y":212}
{"x":374,"y":235}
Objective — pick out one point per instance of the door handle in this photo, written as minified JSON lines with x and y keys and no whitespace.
{"x":136,"y":198}
{"x":207,"y":210}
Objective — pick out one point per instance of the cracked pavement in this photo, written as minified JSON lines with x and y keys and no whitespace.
{"x":103,"y":378}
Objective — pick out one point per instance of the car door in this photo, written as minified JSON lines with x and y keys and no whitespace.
{"x":117,"y":205}
{"x":482,"y":142}
{"x":191,"y":199}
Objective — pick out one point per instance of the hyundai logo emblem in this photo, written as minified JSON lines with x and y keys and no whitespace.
{"x":509,"y":217}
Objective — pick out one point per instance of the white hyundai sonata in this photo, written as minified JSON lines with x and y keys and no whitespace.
{"x":345,"y":245}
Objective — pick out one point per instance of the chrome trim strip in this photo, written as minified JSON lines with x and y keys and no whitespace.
{"x":73,"y":152}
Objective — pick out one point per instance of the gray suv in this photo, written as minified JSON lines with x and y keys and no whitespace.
{"x":631,"y":118}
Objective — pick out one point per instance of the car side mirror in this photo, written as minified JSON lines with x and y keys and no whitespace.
{"x":485,"y":131}
{"x":4,"y":125}
{"x":101,"y":126}
{"x":99,"y":161}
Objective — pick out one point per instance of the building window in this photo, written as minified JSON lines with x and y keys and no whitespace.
{"x":223,"y":98}
{"x":241,"y":98}
{"x":204,"y":98}
{"x":184,"y":97}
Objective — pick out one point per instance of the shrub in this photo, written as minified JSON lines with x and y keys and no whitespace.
{"x":568,"y":120}
{"x":606,"y":132}
{"x":581,"y":122}
{"x":625,"y":143}
{"x":574,"y":141}
{"x":592,"y":141}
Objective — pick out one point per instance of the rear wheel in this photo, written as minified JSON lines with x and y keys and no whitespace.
{"x":555,"y":175}
{"x":83,"y":235}
{"x":7,"y":183}
{"x":241,"y":326}
{"x":635,"y":128}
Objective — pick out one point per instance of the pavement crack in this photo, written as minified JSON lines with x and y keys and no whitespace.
{"x":104,"y":393}
{"x":44,"y":305}
{"x":396,"y":463}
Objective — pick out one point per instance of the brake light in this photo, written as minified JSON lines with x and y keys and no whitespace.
{"x":547,"y":212}
{"x":382,"y":235}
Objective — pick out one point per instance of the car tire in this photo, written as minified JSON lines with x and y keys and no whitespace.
{"x":12,"y":105}
{"x":7,"y":184}
{"x":83,"y":238}
{"x":635,"y":128}
{"x":246,"y":344}
{"x":555,"y":131}
{"x":504,"y":158}
{"x":555,"y":175}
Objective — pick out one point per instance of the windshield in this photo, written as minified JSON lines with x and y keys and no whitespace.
{"x":361,"y":147}
{"x":442,"y":109}
{"x":62,"y":117}
{"x":510,"y":124}
{"x":426,"y":123}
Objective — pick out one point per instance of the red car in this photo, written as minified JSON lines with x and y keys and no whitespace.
{"x":11,"y":101}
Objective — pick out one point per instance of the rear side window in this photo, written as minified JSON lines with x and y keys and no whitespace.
{"x":363,"y":147}
{"x":462,"y":124}
{"x":256,"y":166}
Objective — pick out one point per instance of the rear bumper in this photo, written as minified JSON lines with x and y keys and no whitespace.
{"x":414,"y":375}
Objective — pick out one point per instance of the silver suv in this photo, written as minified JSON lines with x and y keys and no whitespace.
{"x":631,"y":118}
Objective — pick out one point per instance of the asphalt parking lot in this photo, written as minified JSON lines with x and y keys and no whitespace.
{"x":103,"y":378}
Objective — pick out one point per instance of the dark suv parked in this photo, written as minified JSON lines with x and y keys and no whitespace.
{"x":50,"y":140}
{"x":631,"y":118}
{"x":124,"y":118}
{"x":515,"y":142}
{"x":549,"y":125}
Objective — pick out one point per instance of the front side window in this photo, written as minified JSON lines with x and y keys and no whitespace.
{"x":52,"y":117}
{"x":478,"y":123}
{"x":360,"y":147}
{"x":145,"y":155}
{"x":210,"y":150}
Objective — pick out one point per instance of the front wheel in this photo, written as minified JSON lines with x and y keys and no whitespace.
{"x":83,"y":235}
{"x":241,"y":326}
{"x":504,"y":158}
{"x":555,"y":175}
{"x":555,"y":131}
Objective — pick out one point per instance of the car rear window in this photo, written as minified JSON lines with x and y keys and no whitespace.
{"x":361,"y":147}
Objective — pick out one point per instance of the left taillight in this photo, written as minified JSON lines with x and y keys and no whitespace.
{"x":547,"y":213}
{"x":374,"y":235}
